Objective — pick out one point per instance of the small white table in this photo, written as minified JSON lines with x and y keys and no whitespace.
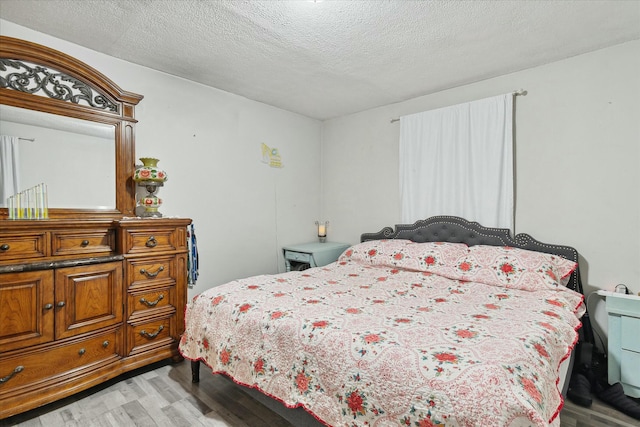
{"x":316,"y":254}
{"x":624,"y":341}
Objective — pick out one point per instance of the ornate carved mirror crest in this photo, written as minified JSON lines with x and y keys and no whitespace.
{"x":38,"y":80}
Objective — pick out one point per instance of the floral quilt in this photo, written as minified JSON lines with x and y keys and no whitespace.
{"x":399,"y":333}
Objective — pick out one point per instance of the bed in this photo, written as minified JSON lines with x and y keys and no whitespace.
{"x":441,"y":322}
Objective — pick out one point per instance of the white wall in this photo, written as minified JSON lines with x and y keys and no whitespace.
{"x":209,"y":142}
{"x":577,"y":162}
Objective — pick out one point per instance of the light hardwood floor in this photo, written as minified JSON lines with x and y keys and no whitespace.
{"x":163,"y":395}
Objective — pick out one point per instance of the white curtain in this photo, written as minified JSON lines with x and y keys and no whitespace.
{"x":458,"y":161}
{"x":9,"y":161}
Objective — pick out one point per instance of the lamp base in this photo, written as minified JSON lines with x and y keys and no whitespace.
{"x":151,"y":213}
{"x":322,"y":239}
{"x":150,"y":201}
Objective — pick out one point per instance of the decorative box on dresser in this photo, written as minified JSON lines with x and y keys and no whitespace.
{"x":89,"y":293}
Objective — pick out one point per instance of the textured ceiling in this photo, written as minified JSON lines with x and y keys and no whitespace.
{"x":325,"y":59}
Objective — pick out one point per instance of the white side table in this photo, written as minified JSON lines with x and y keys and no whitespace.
{"x":316,"y":254}
{"x":624,"y":341}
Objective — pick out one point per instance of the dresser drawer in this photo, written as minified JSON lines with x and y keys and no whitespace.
{"x":630,"y":368}
{"x":83,"y":242}
{"x":151,"y":302}
{"x":298,"y":256}
{"x":630,"y":334}
{"x":151,"y":240}
{"x":148,"y":335}
{"x":23,"y":247}
{"x":149,"y":271}
{"x":47,"y":364}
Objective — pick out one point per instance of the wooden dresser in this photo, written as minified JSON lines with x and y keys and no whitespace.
{"x":89,"y":292}
{"x":82,"y":302}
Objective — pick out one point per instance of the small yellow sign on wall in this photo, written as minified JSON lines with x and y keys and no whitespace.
{"x":271,"y":156}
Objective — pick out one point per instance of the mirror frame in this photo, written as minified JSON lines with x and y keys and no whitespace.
{"x":123,"y":119}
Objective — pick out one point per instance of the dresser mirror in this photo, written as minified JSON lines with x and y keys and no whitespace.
{"x":77,"y":129}
{"x":47,"y":141}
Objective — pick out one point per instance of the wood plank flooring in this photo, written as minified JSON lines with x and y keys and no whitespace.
{"x":163,"y":395}
{"x":599,"y":414}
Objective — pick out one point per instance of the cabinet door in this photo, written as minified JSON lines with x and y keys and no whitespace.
{"x":26,"y":309}
{"x":87,"y":298}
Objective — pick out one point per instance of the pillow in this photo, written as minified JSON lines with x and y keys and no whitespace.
{"x":492,"y":265}
{"x":515,"y":268}
{"x":437,"y":257}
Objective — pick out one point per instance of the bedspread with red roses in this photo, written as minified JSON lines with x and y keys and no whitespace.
{"x":396,"y":334}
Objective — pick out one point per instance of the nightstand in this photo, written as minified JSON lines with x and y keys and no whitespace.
{"x":307,"y":255}
{"x":624,"y":341}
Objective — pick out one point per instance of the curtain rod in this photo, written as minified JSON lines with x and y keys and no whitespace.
{"x":519,"y":92}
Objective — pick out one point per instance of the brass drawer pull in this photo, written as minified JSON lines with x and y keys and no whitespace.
{"x":152,"y":303}
{"x":151,"y":275}
{"x":153,"y":335}
{"x":82,"y":351}
{"x":15,"y":371}
{"x":4,"y":247}
{"x":84,"y":243}
{"x":151,"y":242}
{"x":48,"y":306}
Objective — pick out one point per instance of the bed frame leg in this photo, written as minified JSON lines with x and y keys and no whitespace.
{"x":195,"y":371}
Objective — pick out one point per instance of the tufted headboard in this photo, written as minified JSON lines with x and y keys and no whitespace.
{"x":459,"y":230}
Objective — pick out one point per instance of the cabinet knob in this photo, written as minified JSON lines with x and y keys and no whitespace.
{"x":61,"y":304}
{"x":84,"y":243}
{"x":82,"y":351}
{"x":105,"y":344}
{"x":4,"y":247}
{"x":151,"y":242}
{"x":48,"y":306}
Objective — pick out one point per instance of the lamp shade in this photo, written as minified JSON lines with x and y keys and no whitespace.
{"x":322,"y":230}
{"x":149,"y":171}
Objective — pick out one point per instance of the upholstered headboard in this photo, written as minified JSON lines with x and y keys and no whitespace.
{"x":459,"y":230}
